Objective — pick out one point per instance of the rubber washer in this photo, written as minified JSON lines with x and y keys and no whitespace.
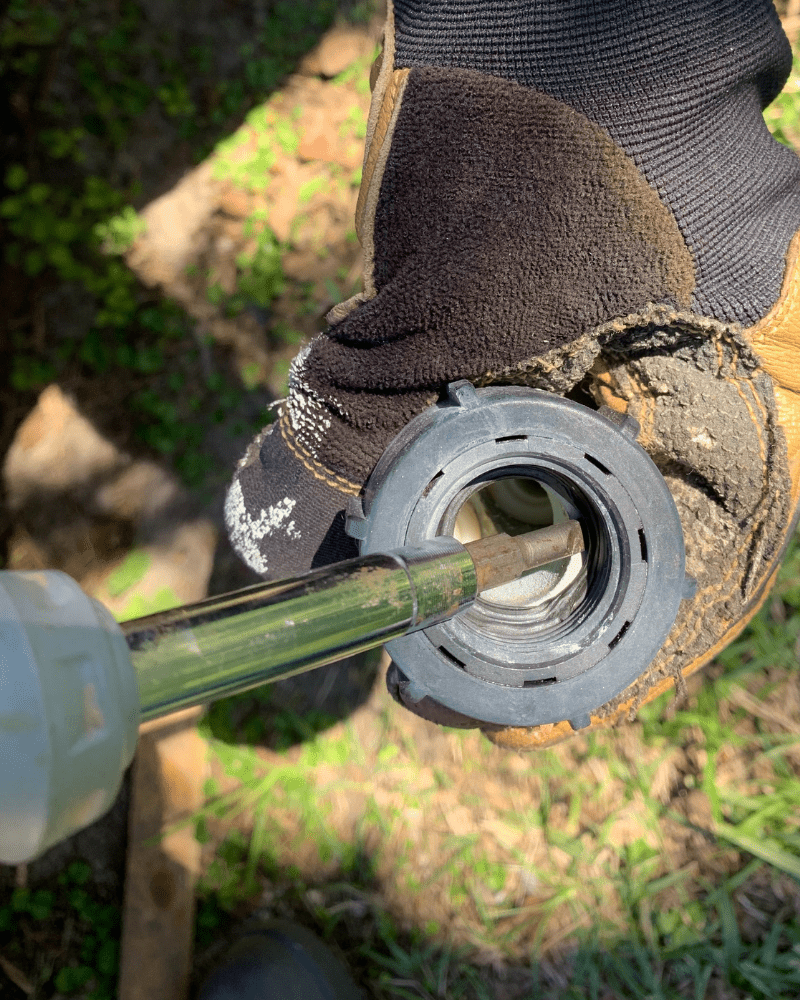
{"x":497,"y":666}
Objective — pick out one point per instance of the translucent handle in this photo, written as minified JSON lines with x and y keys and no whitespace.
{"x":69,"y":711}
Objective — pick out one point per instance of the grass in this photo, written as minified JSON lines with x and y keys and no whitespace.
{"x":83,"y":77}
{"x":658,"y":862}
{"x":68,"y":192}
{"x":561,"y":871}
{"x":783,"y":115}
{"x":86,"y":930}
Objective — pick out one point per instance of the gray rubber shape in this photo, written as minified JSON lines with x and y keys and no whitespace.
{"x":279,"y":960}
{"x":505,"y":672}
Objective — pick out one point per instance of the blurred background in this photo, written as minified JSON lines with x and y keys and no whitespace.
{"x":179,"y":187}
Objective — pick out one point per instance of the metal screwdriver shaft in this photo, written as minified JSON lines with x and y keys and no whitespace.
{"x":234,"y":642}
{"x":500,"y":559}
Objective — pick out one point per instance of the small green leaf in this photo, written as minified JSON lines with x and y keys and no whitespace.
{"x":388,"y":753}
{"x":70,"y":980}
{"x":310,"y":188}
{"x":215,"y":294}
{"x":16,"y":176}
{"x":133,"y":568}
{"x":79,"y":872}
{"x":20,"y":900}
{"x":107,"y":960}
{"x":41,"y":904}
{"x":765,"y":848}
{"x":119,"y":232}
{"x":286,"y":135}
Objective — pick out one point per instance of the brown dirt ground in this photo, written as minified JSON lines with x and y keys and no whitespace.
{"x":445,"y":802}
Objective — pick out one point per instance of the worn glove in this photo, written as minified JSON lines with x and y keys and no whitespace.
{"x":558,"y":195}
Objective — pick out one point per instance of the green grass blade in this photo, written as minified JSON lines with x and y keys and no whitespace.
{"x":765,"y":849}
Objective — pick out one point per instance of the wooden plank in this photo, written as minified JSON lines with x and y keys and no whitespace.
{"x":161,"y":871}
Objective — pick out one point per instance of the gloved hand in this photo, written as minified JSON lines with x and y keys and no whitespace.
{"x":556,"y":195}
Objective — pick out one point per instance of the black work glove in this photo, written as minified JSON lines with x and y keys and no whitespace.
{"x":557,"y":195}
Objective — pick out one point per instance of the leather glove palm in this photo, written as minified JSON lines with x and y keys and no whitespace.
{"x":559,"y":197}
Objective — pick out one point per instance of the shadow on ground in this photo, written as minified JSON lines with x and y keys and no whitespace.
{"x":123,"y":405}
